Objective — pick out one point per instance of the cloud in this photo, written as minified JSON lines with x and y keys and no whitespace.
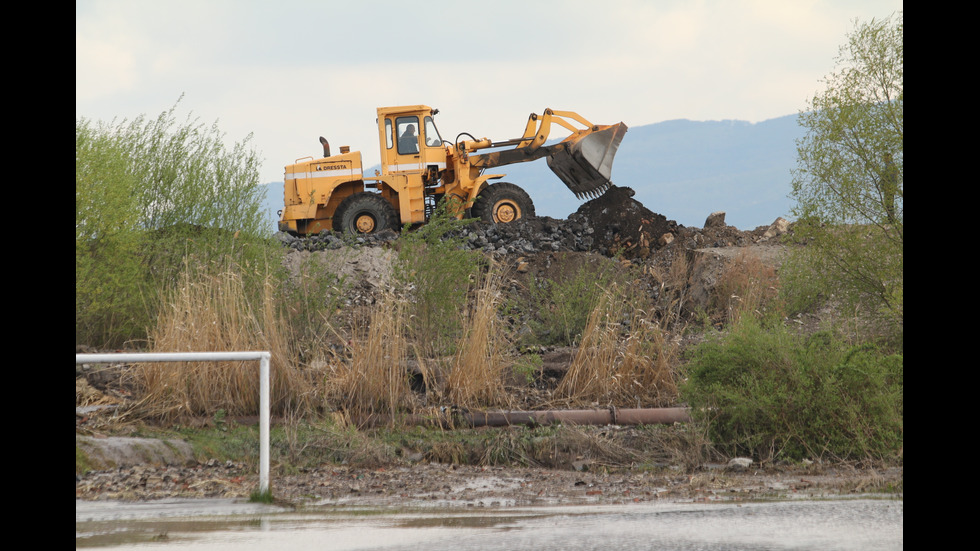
{"x":292,"y":70}
{"x":105,"y":62}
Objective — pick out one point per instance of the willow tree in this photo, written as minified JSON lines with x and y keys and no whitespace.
{"x":149,"y":194}
{"x":108,"y":271}
{"x":849,"y":185}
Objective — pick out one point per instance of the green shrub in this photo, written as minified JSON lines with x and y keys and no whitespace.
{"x":528,"y":368}
{"x":438,"y":272}
{"x":108,"y":271}
{"x":149,"y":193}
{"x":773,"y":394}
{"x":310,"y":300}
{"x":564,"y":305}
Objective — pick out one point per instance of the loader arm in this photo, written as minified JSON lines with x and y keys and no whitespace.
{"x":583,"y":160}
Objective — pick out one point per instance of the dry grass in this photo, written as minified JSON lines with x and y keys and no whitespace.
{"x":747,"y":286}
{"x":211,"y":312}
{"x":676,"y":289}
{"x":476,"y":376}
{"x":599,"y":447}
{"x":618,"y":365}
{"x":677,"y":284}
{"x":374,"y":382}
{"x":592,"y":375}
{"x":625,"y":357}
{"x":647,"y":364}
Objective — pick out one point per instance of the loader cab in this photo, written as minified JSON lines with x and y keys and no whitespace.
{"x":410,"y":140}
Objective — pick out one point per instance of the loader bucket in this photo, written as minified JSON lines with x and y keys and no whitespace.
{"x":585,"y":164}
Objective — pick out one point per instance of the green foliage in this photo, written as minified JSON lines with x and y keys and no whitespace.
{"x":775,"y":395}
{"x":443,"y":226}
{"x":310,"y":299}
{"x":83,"y":463}
{"x":528,"y":366}
{"x":108,"y":271}
{"x":220,"y":418}
{"x":564,"y":304}
{"x":438,"y":272}
{"x":232,"y":442}
{"x":296,"y":445}
{"x":196,"y":196}
{"x":259,"y":496}
{"x":849,"y":184}
{"x":187,"y":176}
{"x":517,"y":445}
{"x":149,"y":193}
{"x":302,"y":445}
{"x":803,"y":288}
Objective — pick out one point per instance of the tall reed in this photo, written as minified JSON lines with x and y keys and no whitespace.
{"x":625,"y":359}
{"x":375,"y":382}
{"x":593,"y":371}
{"x":211,"y":310}
{"x":476,"y":377}
{"x":747,"y":286}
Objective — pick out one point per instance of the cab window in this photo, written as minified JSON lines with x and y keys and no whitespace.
{"x":432,"y":138}
{"x":408,"y":138}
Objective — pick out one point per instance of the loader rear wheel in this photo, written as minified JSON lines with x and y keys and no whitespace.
{"x":365,"y":213}
{"x":502,"y":203}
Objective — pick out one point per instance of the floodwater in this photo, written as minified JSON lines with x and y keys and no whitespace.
{"x":865,"y":524}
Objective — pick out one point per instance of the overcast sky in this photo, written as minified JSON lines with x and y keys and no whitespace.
{"x":289,"y":71}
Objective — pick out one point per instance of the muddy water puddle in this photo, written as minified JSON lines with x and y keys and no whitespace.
{"x":230,"y":524}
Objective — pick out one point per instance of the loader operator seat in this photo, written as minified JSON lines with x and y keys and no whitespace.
{"x":408,"y":143}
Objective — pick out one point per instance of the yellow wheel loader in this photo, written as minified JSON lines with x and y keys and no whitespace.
{"x":419,"y":168}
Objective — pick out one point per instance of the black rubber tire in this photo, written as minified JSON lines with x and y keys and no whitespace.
{"x":361,"y":210}
{"x":501,"y":203}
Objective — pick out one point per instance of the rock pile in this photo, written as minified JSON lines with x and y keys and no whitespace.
{"x":523,"y":236}
{"x":613,"y":224}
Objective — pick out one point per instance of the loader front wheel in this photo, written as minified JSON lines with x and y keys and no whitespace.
{"x":365,"y":213}
{"x":502,"y":203}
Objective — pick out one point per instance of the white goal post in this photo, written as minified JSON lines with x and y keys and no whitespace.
{"x":263,"y":359}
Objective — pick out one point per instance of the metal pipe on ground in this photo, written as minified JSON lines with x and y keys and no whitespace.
{"x":607,"y":416}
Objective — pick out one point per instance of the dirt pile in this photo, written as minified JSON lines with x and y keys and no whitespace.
{"x":625,"y":227}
